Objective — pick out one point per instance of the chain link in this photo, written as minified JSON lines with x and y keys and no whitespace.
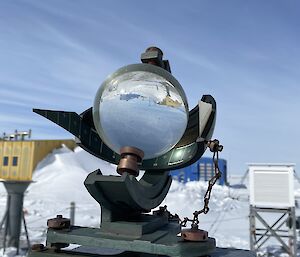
{"x":215,"y":147}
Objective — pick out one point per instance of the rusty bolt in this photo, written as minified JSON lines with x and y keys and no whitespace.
{"x":38,"y":247}
{"x":59,"y":223}
{"x":194,"y":234}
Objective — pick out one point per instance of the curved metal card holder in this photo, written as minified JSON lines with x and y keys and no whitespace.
{"x":187,"y":151}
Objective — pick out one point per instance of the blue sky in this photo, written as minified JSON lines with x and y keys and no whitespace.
{"x":55,"y":54}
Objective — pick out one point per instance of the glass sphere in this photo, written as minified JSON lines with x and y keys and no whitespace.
{"x":143,"y":106}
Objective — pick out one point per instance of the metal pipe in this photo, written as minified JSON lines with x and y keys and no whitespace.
{"x":293,"y":233}
{"x":276,"y":230}
{"x":72,"y":213}
{"x":15,"y":191}
{"x":3,"y":220}
{"x":6,"y":224}
{"x":271,"y":235}
{"x":252,"y":232}
{"x":281,"y":210}
{"x":26,"y":230}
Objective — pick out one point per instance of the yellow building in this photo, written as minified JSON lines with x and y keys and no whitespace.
{"x":170,"y":102}
{"x":18,"y":159}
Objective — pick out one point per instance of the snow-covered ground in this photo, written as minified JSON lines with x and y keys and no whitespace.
{"x":58,"y":180}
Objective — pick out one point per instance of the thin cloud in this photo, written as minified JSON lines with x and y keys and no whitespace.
{"x":56,"y":54}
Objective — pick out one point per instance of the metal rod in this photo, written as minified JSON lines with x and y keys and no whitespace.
{"x":6,"y":211}
{"x":277,"y":230}
{"x":252,"y":229}
{"x":26,"y":231}
{"x":271,"y":210}
{"x":271,"y":235}
{"x":6,"y":225}
{"x":72,"y":213}
{"x":292,"y":232}
{"x":3,"y":219}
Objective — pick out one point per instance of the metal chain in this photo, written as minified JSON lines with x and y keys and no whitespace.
{"x":215,"y":147}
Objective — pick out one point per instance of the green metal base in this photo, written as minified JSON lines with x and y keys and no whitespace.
{"x":161,"y":242}
{"x":219,"y":252}
{"x":136,"y":227}
{"x":53,"y":253}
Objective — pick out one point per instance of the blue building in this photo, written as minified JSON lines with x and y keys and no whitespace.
{"x":202,"y":170}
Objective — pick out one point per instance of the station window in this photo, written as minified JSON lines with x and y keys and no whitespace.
{"x":208,"y":166}
{"x":202,"y":171}
{"x":5,"y":160}
{"x":15,"y":161}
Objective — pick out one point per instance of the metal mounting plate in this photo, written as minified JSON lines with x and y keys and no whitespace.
{"x":161,"y":242}
{"x":87,"y":252}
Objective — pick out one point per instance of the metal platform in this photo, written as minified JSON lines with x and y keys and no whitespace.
{"x":161,"y":242}
{"x":87,"y":252}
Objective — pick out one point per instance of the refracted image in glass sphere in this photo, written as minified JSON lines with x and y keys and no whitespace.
{"x":141,"y":109}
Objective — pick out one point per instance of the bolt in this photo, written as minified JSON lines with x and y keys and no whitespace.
{"x":59,"y":223}
{"x":37,"y":247}
{"x":154,"y":48}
